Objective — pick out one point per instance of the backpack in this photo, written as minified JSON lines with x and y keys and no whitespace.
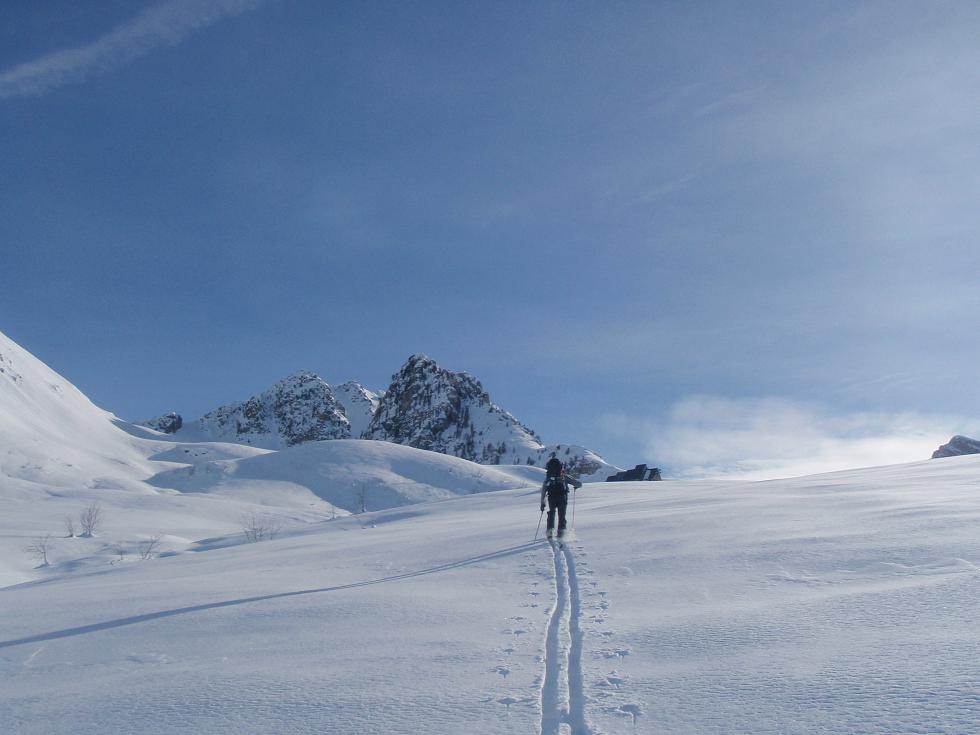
{"x":556,"y":485}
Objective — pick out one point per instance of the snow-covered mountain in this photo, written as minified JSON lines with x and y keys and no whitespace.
{"x":297,"y":409}
{"x":426,"y":407}
{"x":430,"y":407}
{"x":957,"y":446}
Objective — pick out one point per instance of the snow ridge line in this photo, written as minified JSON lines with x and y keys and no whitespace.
{"x":563,"y":664}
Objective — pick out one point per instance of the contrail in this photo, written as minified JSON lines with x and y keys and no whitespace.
{"x":166,"y":24}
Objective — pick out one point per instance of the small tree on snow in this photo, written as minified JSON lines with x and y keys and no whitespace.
{"x":39,"y":547}
{"x":91,"y":519}
{"x":259,"y":527}
{"x":148,"y":547}
{"x":69,"y":527}
{"x":361,"y":491}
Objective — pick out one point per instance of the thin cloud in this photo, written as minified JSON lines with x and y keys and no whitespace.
{"x":167,"y":24}
{"x":707,"y":437}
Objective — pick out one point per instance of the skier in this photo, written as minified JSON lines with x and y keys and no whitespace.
{"x":555,"y":488}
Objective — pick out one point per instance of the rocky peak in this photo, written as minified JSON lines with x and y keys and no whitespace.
{"x":299,"y":408}
{"x":429,"y":407}
{"x":168,"y":423}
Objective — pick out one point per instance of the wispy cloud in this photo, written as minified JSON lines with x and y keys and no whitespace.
{"x":166,"y":24}
{"x":765,"y":438}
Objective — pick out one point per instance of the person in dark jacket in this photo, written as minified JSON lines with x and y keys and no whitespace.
{"x":555,"y":489}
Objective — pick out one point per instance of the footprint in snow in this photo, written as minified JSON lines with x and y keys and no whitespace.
{"x":613,"y":653}
{"x":615,"y":680}
{"x":507,"y":701}
{"x":633,"y":710}
{"x":502,"y":670}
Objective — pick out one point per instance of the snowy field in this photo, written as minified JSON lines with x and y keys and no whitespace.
{"x":843,"y":603}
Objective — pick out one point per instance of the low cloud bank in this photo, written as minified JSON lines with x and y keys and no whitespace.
{"x":704,"y":437}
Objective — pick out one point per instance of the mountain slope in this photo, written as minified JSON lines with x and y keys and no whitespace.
{"x":51,"y":434}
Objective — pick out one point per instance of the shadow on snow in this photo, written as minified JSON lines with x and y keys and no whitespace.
{"x":146,"y":617}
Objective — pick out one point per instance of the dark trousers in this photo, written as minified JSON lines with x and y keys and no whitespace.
{"x":557,"y":501}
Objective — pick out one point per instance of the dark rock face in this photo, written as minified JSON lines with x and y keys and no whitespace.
{"x":298,"y":409}
{"x":637,"y":474}
{"x":168,"y":423}
{"x":957,"y":446}
{"x":429,"y":407}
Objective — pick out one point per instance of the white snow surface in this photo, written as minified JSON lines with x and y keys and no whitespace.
{"x":841,"y":603}
{"x":348,"y":473}
{"x":359,"y":404}
{"x":51,"y":433}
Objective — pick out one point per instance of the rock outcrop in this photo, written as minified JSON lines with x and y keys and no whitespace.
{"x":957,"y":446}
{"x":169,"y":423}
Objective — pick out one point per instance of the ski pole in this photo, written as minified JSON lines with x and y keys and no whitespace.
{"x":574,"y":493}
{"x":539,"y":525}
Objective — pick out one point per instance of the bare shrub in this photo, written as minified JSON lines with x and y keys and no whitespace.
{"x":91,"y":519}
{"x":69,"y":527}
{"x":148,"y":547}
{"x":39,"y":548}
{"x":258,"y":527}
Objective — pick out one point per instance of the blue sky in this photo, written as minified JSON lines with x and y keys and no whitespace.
{"x":644,"y":226}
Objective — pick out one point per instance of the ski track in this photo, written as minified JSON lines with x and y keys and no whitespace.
{"x":563,"y":691}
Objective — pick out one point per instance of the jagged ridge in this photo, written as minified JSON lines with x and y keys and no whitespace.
{"x":297,"y":409}
{"x":429,"y":407}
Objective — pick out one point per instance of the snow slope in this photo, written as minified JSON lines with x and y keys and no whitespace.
{"x":349,"y":473}
{"x":842,"y":603}
{"x":52,"y":434}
